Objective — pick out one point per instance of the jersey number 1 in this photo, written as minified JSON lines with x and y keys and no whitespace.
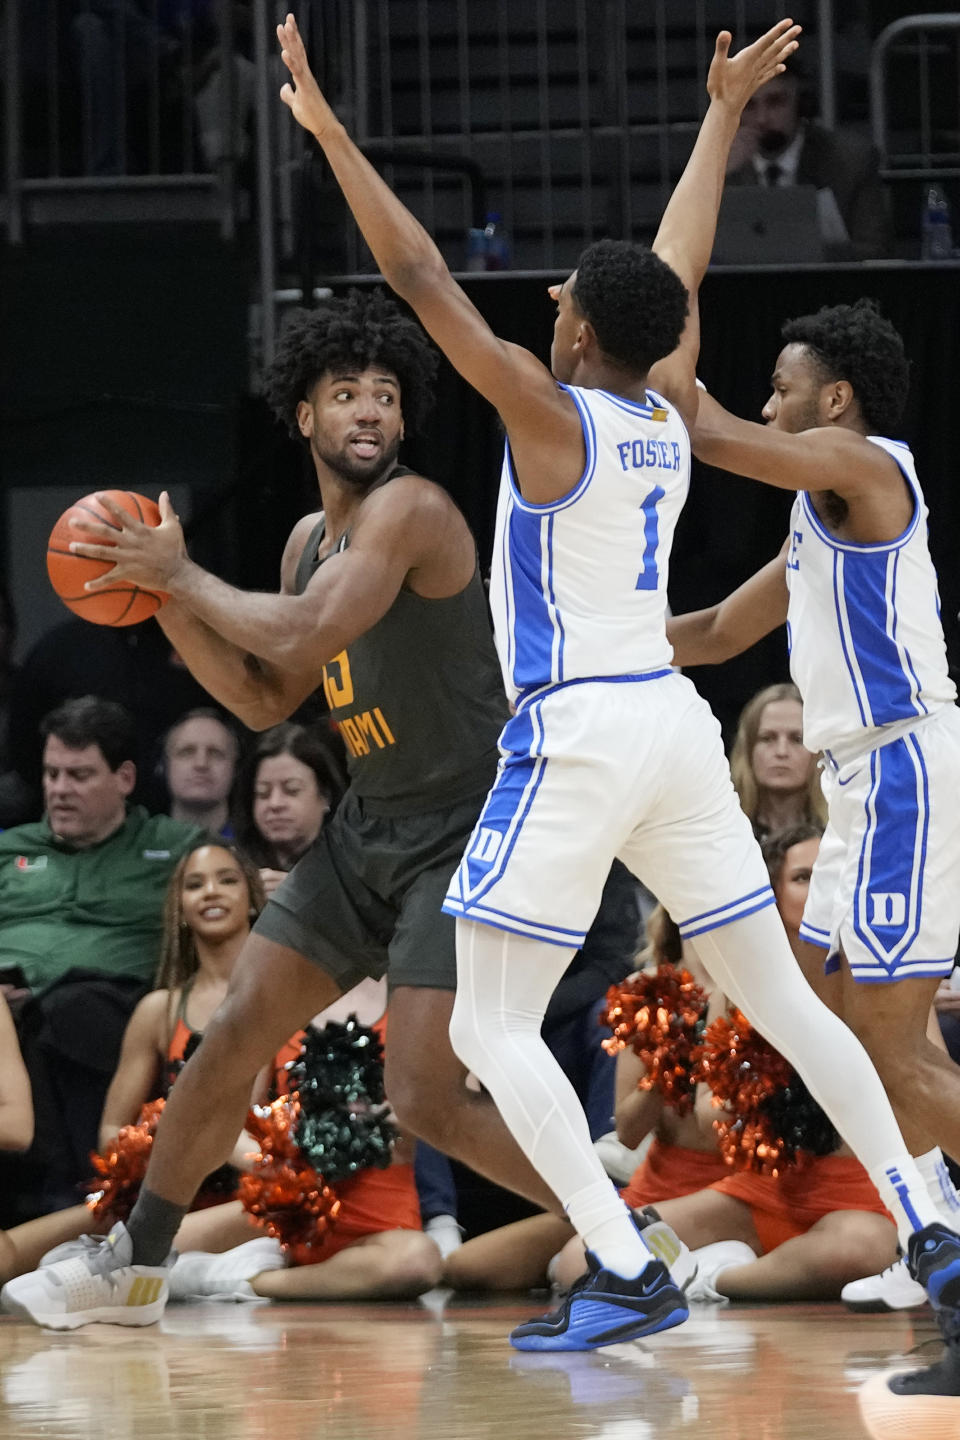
{"x":647,"y":579}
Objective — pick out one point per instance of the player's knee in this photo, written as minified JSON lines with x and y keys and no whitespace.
{"x":418,"y":1266}
{"x":464,"y":1035}
{"x":895,"y":1062}
{"x":418,"y":1103}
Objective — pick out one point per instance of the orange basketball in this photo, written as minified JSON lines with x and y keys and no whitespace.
{"x":121,"y":604}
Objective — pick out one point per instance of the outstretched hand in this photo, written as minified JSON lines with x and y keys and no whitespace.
{"x":146,"y":555}
{"x":304,"y":97}
{"x":734,"y":79}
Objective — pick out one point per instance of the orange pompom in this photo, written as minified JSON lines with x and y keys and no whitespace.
{"x":284,"y":1193}
{"x":122,"y":1166}
{"x":661,"y":1016}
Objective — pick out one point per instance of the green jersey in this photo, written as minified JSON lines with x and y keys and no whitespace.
{"x":419,"y":698}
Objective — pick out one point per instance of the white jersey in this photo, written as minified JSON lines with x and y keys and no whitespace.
{"x":866,"y":643}
{"x":579,"y":587}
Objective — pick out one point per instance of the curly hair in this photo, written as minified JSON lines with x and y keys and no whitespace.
{"x":636,"y":304}
{"x":357,"y":330}
{"x":857,"y":344}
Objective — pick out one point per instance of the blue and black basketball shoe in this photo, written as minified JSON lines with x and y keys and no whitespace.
{"x":933,"y":1259}
{"x":602,"y":1308}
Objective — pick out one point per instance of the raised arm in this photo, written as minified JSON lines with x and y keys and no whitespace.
{"x":513,"y":380}
{"x":688,"y":228}
{"x":758,"y":606}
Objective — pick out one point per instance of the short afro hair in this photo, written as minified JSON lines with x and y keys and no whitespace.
{"x":356,"y":331}
{"x":636,"y":304}
{"x":857,"y":344}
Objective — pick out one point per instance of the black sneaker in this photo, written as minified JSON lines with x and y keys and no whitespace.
{"x":605,"y":1309}
{"x":933,"y":1259}
{"x":942,"y":1378}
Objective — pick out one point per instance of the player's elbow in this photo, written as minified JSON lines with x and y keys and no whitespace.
{"x":418,"y":275}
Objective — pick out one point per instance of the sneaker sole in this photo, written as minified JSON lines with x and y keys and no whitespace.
{"x":885,"y":1412}
{"x":115,"y":1315}
{"x":615,"y":1335}
{"x":883,"y":1307}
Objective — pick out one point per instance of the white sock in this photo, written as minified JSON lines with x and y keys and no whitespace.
{"x":902,"y":1189}
{"x":751,"y":961}
{"x":940,"y":1187}
{"x":504,"y":982}
{"x":606,"y":1227}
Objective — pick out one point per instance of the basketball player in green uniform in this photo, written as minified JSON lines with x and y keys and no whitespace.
{"x":381,"y":601}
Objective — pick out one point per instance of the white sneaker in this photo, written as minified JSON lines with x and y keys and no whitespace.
{"x":665,"y":1243}
{"x":101,"y":1285}
{"x":893,"y":1289}
{"x":198,"y":1275}
{"x":69,"y":1250}
{"x":445,"y":1233}
{"x":710,"y":1261}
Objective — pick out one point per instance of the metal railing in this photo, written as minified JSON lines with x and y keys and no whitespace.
{"x":927,"y":143}
{"x":578,"y":115}
{"x":120,"y":109}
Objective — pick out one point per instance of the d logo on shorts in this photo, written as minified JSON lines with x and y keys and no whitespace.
{"x":889,"y":908}
{"x":486,"y":847}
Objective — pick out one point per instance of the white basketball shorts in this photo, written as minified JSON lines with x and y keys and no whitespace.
{"x":590,"y":770}
{"x":886,"y":884}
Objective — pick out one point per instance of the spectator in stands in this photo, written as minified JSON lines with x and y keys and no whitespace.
{"x":134,"y":665}
{"x":212,"y":899}
{"x":775,"y":776}
{"x":779,"y":145}
{"x":288,"y":785}
{"x":81,"y":903}
{"x":83,"y":887}
{"x":200,"y":754}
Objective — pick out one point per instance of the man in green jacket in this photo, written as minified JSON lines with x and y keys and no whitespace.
{"x":81,"y":914}
{"x":83,"y":888}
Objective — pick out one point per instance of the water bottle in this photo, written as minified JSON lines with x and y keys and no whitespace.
{"x":497,"y":255}
{"x":476,"y":248}
{"x":936,"y":241}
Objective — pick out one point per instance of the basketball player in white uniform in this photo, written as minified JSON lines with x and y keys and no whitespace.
{"x":858,"y":590}
{"x":609,"y":752}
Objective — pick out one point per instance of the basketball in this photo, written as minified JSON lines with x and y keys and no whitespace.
{"x":123,"y":603}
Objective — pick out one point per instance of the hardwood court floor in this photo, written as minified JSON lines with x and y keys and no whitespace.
{"x":407,"y":1372}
